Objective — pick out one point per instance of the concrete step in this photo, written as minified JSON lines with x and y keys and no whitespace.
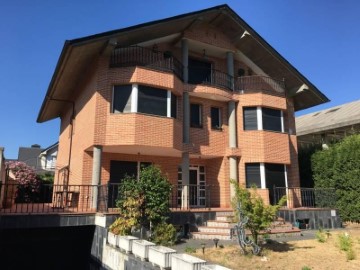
{"x":222,"y":214}
{"x":219,"y":223}
{"x":210,"y":236}
{"x":224,"y":218}
{"x":207,"y":229}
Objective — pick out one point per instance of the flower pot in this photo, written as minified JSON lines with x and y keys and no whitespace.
{"x":161,"y":256}
{"x":186,"y":262}
{"x":112,"y":239}
{"x":125,"y":243}
{"x":213,"y":267}
{"x":140,"y":248}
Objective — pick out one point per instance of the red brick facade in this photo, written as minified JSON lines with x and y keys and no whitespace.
{"x":158,"y":139}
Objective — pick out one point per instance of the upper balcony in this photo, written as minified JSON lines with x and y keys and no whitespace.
{"x":140,"y":56}
{"x":199,"y":73}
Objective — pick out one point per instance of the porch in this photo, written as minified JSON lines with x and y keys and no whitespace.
{"x":51,"y":198}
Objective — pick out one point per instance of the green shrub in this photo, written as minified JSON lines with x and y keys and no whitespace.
{"x":164,"y":234}
{"x":321,"y":236}
{"x":190,"y":250}
{"x":345,"y":241}
{"x":305,"y":268}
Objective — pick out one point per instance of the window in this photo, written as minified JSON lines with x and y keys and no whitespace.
{"x":173,"y":106}
{"x":250,"y":118}
{"x":122,"y":98}
{"x":152,"y":101}
{"x":271,"y":119}
{"x":144,"y":99}
{"x":253,"y":177}
{"x":195,"y":115}
{"x":257,"y":118}
{"x":275,"y":177}
{"x":215,"y":118}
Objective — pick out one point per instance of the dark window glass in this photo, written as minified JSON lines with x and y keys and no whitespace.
{"x":252,"y":171}
{"x":122,"y":98}
{"x":250,"y":118}
{"x":195,"y":115}
{"x":275,"y":177}
{"x":199,"y":71}
{"x":152,"y":100}
{"x":215,"y":118}
{"x":173,"y":106}
{"x":271,"y":119}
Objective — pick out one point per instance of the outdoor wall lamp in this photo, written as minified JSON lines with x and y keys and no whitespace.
{"x":203,"y":247}
{"x":216,"y":241}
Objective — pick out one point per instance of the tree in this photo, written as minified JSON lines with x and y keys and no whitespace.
{"x":28,"y":182}
{"x":145,"y":201}
{"x":260,"y":216}
{"x":339,"y":167}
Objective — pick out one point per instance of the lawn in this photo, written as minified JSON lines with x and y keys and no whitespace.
{"x":292,"y":254}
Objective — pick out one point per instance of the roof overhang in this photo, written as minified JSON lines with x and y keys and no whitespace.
{"x":78,"y":55}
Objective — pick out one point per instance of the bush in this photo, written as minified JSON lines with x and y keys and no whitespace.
{"x":339,"y":168}
{"x":260,"y":216}
{"x":345,"y":243}
{"x":144,"y":201}
{"x":164,"y":234}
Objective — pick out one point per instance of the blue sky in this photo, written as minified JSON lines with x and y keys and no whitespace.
{"x":320,"y":38}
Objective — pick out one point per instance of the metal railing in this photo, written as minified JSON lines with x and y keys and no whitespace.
{"x":260,"y":83}
{"x":192,"y":196}
{"x":139,"y":56}
{"x":46,"y":198}
{"x":211,"y":77}
{"x":306,"y":197}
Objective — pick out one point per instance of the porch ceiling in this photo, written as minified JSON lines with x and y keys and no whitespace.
{"x":142,"y":150}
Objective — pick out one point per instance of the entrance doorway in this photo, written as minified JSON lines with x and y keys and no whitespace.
{"x":197,"y":188}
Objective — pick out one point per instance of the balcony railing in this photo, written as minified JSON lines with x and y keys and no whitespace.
{"x":210,"y":77}
{"x":193,"y":196}
{"x":259,"y":83}
{"x":46,"y":198}
{"x":139,"y":56}
{"x":306,"y":197}
{"x":50,"y":198}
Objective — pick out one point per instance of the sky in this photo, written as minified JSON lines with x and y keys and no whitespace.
{"x":321,"y":38}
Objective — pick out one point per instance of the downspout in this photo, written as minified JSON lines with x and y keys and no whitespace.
{"x":71,"y":129}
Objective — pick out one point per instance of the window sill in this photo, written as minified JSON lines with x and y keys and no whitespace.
{"x":217,"y":129}
{"x":193,"y":126}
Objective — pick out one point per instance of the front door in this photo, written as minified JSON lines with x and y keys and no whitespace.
{"x":197,"y":188}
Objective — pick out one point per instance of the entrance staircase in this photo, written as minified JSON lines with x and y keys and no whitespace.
{"x":221,"y":228}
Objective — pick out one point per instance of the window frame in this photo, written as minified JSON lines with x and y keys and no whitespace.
{"x":200,"y":112}
{"x":258,"y":182}
{"x":219,"y":115}
{"x":250,"y":126}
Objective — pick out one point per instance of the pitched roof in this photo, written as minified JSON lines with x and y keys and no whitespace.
{"x":30,"y":155}
{"x":78,"y":54}
{"x":329,"y":119}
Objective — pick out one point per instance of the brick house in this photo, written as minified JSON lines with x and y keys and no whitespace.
{"x":200,"y":95}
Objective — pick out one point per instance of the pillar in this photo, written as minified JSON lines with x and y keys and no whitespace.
{"x":96,"y":174}
{"x":185,"y":180}
{"x":233,"y":164}
{"x":230,"y":68}
{"x":185,"y":59}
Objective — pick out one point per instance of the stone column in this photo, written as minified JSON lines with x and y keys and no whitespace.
{"x":185,"y":59}
{"x":185,"y":180}
{"x":232,"y":144}
{"x":230,"y":68}
{"x":96,"y":174}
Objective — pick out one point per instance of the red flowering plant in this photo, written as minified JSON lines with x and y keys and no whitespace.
{"x":28,"y":182}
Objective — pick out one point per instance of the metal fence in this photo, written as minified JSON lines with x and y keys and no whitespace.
{"x":306,"y":197}
{"x":46,"y":198}
{"x":140,"y":56}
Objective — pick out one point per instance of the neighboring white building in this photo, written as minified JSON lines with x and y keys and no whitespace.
{"x":47,"y":158}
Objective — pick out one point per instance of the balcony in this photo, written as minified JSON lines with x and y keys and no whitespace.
{"x":165,"y":61}
{"x":139,"y":56}
{"x":259,"y":83}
